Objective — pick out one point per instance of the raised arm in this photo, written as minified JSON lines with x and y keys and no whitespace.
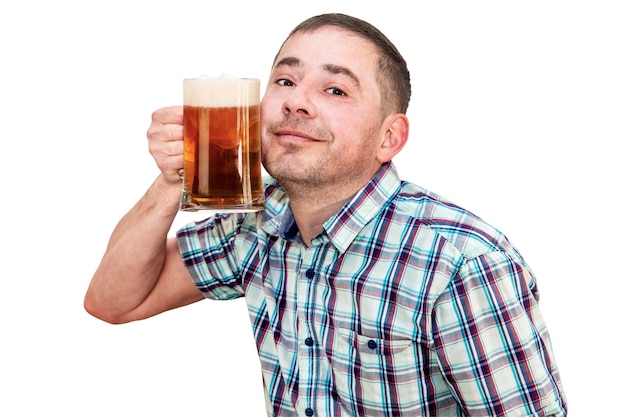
{"x":142,"y":273}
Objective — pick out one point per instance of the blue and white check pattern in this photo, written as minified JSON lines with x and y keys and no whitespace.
{"x":406,"y":305}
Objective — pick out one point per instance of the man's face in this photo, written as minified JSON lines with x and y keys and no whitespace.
{"x":320,"y":115}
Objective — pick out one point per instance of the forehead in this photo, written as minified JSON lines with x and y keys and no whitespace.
{"x":331,"y":45}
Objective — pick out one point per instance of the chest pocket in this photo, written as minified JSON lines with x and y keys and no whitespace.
{"x":374,"y":376}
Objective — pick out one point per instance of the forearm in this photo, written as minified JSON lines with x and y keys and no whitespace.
{"x":135,"y":255}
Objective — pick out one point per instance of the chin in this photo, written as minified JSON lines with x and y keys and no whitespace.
{"x":289,"y":175}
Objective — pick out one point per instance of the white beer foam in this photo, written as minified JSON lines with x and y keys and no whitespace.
{"x":223,"y":91}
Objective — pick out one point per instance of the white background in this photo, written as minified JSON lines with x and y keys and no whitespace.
{"x":518,"y":114}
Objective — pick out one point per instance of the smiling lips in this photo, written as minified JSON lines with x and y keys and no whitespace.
{"x":290,"y":132}
{"x":294,"y":136}
{"x":297,"y":131}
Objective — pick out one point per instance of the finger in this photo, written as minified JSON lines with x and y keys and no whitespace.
{"x":171,"y":167}
{"x":167,"y":148}
{"x":165,"y":132}
{"x":166,"y":115}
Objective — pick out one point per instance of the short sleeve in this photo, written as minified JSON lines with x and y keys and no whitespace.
{"x":492,"y":343}
{"x":208,"y":249}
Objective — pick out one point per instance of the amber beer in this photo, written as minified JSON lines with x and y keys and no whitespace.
{"x":222,"y":145}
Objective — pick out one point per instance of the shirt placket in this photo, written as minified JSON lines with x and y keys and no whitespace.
{"x":313,"y":368}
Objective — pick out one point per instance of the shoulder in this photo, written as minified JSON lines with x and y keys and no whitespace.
{"x":467,"y":232}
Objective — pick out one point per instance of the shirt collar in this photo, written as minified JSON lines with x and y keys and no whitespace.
{"x":342,"y":228}
{"x":366,"y":204}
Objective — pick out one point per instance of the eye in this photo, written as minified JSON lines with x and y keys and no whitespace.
{"x":335,"y":91}
{"x":285,"y":82}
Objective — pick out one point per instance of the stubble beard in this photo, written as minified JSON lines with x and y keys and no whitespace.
{"x":324,"y":177}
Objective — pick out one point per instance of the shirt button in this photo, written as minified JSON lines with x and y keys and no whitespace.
{"x":309,"y":412}
{"x":308,"y":341}
{"x":310,"y":273}
{"x":372,"y":344}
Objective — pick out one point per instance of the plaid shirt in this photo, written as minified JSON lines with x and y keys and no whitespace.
{"x":406,"y":305}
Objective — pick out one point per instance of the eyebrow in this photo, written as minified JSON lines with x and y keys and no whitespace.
{"x":288,"y":62}
{"x":331,"y":68}
{"x":336,"y":69}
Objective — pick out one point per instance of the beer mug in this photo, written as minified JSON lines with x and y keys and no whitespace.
{"x":222,"y":144}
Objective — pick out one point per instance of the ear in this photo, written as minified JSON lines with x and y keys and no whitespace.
{"x":395,"y":135}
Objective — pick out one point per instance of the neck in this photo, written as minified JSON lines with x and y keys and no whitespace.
{"x":313,"y":206}
{"x":315,"y":200}
{"x":310,"y":216}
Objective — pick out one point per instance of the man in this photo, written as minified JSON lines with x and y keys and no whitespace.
{"x":368,"y":296}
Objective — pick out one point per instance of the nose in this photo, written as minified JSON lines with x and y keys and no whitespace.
{"x":299,"y":102}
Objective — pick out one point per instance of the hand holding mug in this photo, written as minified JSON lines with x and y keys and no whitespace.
{"x":165,"y":141}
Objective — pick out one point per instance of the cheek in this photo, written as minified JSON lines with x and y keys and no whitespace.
{"x":266,"y":117}
{"x":271,"y":114}
{"x":272,"y":102}
{"x":265,"y":112}
{"x":343,"y":128}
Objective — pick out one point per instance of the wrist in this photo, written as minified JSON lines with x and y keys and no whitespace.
{"x":166,"y":194}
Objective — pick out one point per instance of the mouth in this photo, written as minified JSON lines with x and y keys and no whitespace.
{"x":294,"y":135}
